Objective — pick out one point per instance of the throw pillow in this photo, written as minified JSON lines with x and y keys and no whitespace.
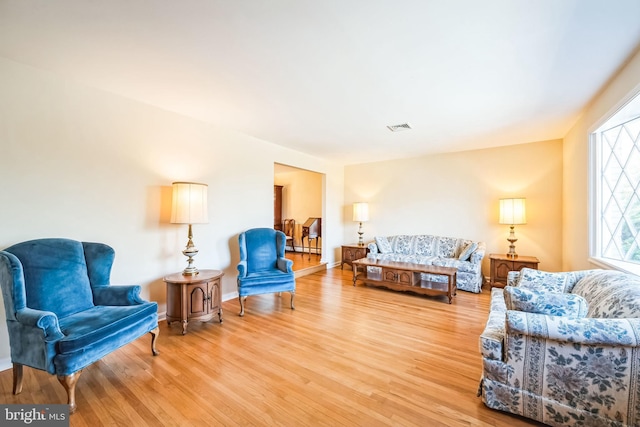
{"x":542,"y":280}
{"x":383,"y":245}
{"x":549,"y":303}
{"x":467,"y":251}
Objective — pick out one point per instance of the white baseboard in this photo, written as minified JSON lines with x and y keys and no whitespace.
{"x":5,"y":364}
{"x":230,"y":295}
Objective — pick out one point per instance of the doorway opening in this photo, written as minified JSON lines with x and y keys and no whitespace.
{"x":298,"y":207}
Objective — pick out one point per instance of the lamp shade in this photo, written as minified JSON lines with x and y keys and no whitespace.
{"x":512,"y":211}
{"x":189,"y":203}
{"x":361,"y":212}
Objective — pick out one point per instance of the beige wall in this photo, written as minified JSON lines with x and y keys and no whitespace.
{"x":456,"y":195}
{"x":576,"y":163}
{"x":88,"y":165}
{"x":301,"y":198}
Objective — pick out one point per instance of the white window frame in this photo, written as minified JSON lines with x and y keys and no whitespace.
{"x":632,"y":100}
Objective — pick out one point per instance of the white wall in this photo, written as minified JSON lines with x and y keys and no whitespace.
{"x":85,"y":164}
{"x":576,"y":163}
{"x":456,"y":195}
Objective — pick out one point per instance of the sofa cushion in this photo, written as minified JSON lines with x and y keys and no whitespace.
{"x":461,"y":266}
{"x":402,"y":245}
{"x":415,"y":259}
{"x":467,"y":251}
{"x":384,"y":247}
{"x":425,"y":245}
{"x":101,"y":322}
{"x":542,"y":280}
{"x":550,"y":303}
{"x":447,"y":247}
{"x":611,"y":294}
{"x":264,"y":277}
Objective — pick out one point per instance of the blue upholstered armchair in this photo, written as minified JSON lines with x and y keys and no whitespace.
{"x":263,"y":268}
{"x":62,"y":313}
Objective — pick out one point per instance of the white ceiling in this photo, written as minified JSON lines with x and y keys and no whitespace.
{"x":326,"y":77}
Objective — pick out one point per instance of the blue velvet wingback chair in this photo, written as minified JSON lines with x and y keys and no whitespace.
{"x":62,"y":313}
{"x":263,"y":268}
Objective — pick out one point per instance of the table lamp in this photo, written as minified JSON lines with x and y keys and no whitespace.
{"x":512,"y":212}
{"x":360,"y":214}
{"x":189,"y":206}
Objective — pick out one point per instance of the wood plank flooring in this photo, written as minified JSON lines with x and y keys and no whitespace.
{"x":346,"y":356}
{"x":302,"y":261}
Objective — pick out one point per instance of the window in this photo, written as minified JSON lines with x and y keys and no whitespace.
{"x":616,"y":201}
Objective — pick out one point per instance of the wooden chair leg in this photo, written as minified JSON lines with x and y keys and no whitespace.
{"x":293,"y":294}
{"x":242,"y":300}
{"x":154,"y":336}
{"x":69,"y":383}
{"x":17,"y":378}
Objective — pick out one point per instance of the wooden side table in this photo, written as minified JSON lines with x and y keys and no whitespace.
{"x":351,"y":253}
{"x":196,"y":297}
{"x":501,"y":264}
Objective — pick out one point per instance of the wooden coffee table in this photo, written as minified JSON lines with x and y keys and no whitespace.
{"x":405,"y":276}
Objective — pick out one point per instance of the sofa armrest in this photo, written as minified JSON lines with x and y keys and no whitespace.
{"x":284,"y":264}
{"x":373,"y":248}
{"x":591,"y":331}
{"x":44,"y":320}
{"x":478,"y":255}
{"x":117,"y":295}
{"x":242,"y":269}
{"x":512,"y":278}
{"x":492,"y":338}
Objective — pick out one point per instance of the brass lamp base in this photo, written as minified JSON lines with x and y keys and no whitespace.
{"x":360,"y":233}
{"x":190,"y":270}
{"x":512,"y":247}
{"x":190,"y":251}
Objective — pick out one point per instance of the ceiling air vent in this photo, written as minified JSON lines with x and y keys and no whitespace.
{"x":398,"y":128}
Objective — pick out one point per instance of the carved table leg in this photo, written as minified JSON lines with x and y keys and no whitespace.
{"x":69,"y":383}
{"x":184,"y":327}
{"x":220,"y":314}
{"x":17,"y":378}
{"x":354,"y":267}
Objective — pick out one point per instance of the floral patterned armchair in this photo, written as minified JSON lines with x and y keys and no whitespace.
{"x":563,"y":348}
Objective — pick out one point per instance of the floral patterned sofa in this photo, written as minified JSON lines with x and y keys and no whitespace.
{"x":563,"y":348}
{"x":465,"y":255}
